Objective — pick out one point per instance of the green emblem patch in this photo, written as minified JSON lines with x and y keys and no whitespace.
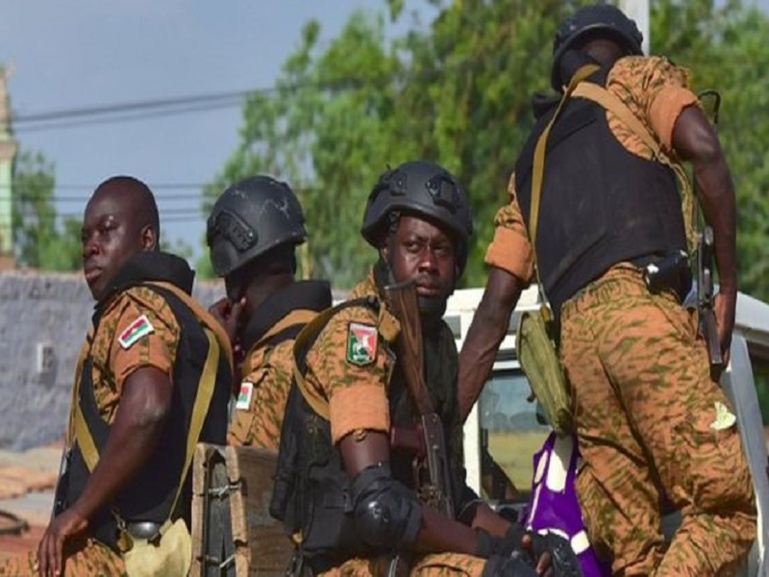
{"x":361,"y":344}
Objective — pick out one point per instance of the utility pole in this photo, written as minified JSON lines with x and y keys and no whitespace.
{"x":638,"y":10}
{"x":7,"y":153}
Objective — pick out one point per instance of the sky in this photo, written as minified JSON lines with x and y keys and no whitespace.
{"x":86,"y":53}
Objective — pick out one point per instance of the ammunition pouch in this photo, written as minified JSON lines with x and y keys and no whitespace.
{"x":537,"y":354}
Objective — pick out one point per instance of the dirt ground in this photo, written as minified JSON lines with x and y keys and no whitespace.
{"x":27,"y":483}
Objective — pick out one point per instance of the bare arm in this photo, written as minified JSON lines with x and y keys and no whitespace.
{"x":694,"y":139}
{"x":136,"y":430}
{"x":486,"y":332}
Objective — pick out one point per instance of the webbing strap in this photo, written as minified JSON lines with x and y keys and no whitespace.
{"x":309,"y":332}
{"x":539,"y":165}
{"x":203,"y":315}
{"x":84,"y":352}
{"x":206,"y":387}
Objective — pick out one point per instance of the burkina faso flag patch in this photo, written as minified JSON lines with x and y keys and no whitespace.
{"x":141,"y":327}
{"x":361,"y":344}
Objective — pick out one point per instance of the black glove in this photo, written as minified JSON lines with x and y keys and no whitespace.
{"x":564,"y":559}
{"x":498,"y":566}
{"x":489,"y":545}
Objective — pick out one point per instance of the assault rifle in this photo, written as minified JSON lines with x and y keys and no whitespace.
{"x":436,"y":491}
{"x":705,"y":299}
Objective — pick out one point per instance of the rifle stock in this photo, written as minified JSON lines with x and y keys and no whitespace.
{"x":402,"y":300}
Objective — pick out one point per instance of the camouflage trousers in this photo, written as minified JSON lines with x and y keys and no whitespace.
{"x":645,"y":406}
{"x":82,"y":558}
{"x":432,"y":565}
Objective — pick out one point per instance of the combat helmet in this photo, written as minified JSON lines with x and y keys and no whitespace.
{"x":606,"y":18}
{"x":251,"y":217}
{"x":422,"y":188}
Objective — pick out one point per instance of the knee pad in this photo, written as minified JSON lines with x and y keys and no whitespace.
{"x":387,"y":514}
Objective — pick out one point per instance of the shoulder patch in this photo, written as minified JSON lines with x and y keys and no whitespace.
{"x":244,"y":396}
{"x":362,"y":343}
{"x":141,"y":327}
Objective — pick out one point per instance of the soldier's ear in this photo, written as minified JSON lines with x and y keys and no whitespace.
{"x":149,"y":239}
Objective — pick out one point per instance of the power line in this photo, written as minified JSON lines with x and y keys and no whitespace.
{"x":145,"y":109}
{"x":97,"y":110}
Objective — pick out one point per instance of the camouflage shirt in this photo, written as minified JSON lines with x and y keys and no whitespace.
{"x":136,"y":329}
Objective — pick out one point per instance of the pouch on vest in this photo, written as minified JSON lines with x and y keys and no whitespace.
{"x":169,"y":553}
{"x":540,"y":363}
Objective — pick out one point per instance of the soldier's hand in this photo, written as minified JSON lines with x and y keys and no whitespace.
{"x":228,"y":314}
{"x":50,"y":551}
{"x":724,"y":306}
{"x":555,"y":555}
{"x":516,"y":544}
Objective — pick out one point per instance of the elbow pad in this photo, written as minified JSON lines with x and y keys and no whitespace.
{"x":387,"y":514}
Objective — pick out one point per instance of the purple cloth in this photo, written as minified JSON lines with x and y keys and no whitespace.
{"x":554,"y":507}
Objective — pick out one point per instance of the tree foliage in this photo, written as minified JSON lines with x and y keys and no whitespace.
{"x":41,"y":241}
{"x":457,"y":90}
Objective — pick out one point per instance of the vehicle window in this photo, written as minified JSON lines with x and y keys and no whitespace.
{"x":760,"y":365}
{"x":510,"y":429}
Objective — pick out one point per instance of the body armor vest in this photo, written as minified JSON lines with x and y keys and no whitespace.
{"x":150,"y":494}
{"x":600,"y":204}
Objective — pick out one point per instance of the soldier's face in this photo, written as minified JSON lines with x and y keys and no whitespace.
{"x":422,"y":252}
{"x":110,"y":237}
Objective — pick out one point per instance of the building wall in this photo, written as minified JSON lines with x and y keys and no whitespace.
{"x":43,"y":321}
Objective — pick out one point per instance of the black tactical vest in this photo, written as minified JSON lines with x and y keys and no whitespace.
{"x":150,"y":494}
{"x":600,"y":204}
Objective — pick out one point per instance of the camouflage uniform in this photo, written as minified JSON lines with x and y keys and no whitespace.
{"x":269,"y":365}
{"x":356,"y":398}
{"x":639,"y":377}
{"x":263,"y":394}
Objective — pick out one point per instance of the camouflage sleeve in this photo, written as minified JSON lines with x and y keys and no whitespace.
{"x":350,"y":366}
{"x":262,"y":399}
{"x":510,"y":250}
{"x":655,"y":90}
{"x":146,"y":334}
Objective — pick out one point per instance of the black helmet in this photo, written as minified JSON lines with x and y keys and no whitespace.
{"x":596,"y":17}
{"x":422,"y":188}
{"x":251,"y":217}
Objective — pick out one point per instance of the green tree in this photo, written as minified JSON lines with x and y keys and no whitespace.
{"x":724,"y":46}
{"x":457,"y":90}
{"x":40,"y":240}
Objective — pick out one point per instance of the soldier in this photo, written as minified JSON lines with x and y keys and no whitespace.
{"x":253,"y":230}
{"x":153,"y":378}
{"x":350,"y":501}
{"x":645,"y":406}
